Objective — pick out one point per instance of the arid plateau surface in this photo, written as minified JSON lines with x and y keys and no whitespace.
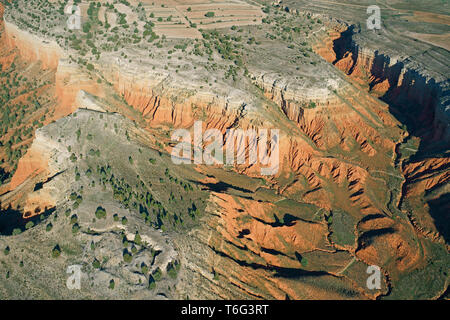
{"x":93,"y":95}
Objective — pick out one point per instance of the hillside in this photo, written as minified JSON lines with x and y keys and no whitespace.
{"x":88,"y":175}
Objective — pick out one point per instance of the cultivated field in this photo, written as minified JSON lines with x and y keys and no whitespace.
{"x":182,"y":19}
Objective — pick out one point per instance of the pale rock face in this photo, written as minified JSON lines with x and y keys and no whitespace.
{"x":86,"y":101}
{"x":32,"y":47}
{"x":332,"y":114}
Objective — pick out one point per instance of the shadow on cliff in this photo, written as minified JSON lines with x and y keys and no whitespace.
{"x":440,"y":212}
{"x":11,"y":220}
{"x":414,"y":104}
{"x":4,"y":175}
{"x":412,"y":98}
{"x":343,"y":44}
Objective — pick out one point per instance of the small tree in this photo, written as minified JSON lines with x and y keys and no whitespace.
{"x":100,"y":213}
{"x":151,"y":283}
{"x":75,"y":228}
{"x":96,"y":264}
{"x":172,"y":269}
{"x":74,"y":219}
{"x":144,"y":268}
{"x":137,"y":238}
{"x":29,"y":225}
{"x":56,"y":252}
{"x":157,"y":274}
{"x":86,"y":27}
{"x":73,"y":157}
{"x":127,"y":256}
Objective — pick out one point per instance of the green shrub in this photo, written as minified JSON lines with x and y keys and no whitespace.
{"x":151,"y":283}
{"x":96,"y":264}
{"x":73,"y":219}
{"x":312,"y":105}
{"x":100,"y":213}
{"x":172,"y":269}
{"x":86,"y":27}
{"x":127,"y":257}
{"x":56,"y":252}
{"x":157,"y":274}
{"x":144,"y":268}
{"x":137,"y":238}
{"x":29,"y":225}
{"x":75,"y":228}
{"x":73,"y":157}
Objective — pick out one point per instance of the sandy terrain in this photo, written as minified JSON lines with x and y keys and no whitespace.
{"x":420,"y":16}
{"x":439,"y":40}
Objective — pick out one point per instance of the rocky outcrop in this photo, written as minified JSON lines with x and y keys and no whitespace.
{"x":338,"y":160}
{"x":252,"y":254}
{"x":32,"y":47}
{"x":33,"y":171}
{"x":160,"y":98}
{"x":406,"y":86}
{"x":419,"y":98}
{"x":164,"y":97}
{"x":70,"y":80}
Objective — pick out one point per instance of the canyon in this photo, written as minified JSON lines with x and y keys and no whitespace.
{"x":363,"y":176}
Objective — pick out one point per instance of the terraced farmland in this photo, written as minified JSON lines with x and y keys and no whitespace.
{"x":177,"y":19}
